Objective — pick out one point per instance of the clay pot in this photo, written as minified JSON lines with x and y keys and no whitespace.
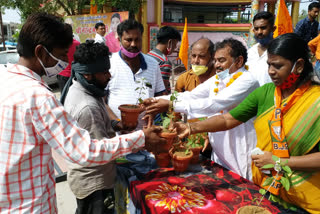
{"x":252,"y":209}
{"x":179,"y":159}
{"x":196,"y":153}
{"x":163,"y":159}
{"x":170,"y":137}
{"x":129,"y":116}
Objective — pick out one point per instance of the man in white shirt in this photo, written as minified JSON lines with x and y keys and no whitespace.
{"x":263,"y":28}
{"x":130,"y":69}
{"x":100,"y":32}
{"x":220,"y":93}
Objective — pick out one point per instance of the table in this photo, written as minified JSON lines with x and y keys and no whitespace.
{"x":208,"y":188}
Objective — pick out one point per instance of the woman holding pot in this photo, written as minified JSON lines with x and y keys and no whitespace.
{"x":287,"y":123}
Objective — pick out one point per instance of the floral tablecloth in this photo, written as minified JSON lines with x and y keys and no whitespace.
{"x":212,"y":189}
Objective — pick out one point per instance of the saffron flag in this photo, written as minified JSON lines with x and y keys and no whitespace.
{"x":183,"y":53}
{"x":93,"y":7}
{"x":283,"y":20}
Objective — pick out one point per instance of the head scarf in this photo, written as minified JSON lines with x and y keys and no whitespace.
{"x":77,"y":71}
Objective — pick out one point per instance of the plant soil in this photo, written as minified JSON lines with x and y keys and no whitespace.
{"x":250,"y":209}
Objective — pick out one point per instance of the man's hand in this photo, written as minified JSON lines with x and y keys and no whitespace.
{"x":154,"y":106}
{"x":182,"y":129}
{"x":261,"y":160}
{"x":154,"y":143}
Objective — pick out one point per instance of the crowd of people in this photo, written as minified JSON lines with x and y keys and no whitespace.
{"x":265,"y":97}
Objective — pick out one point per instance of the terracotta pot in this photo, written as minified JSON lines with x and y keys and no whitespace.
{"x":196,"y":153}
{"x":163,"y":159}
{"x":252,"y":209}
{"x":179,"y":159}
{"x":170,"y":137}
{"x":129,"y":115}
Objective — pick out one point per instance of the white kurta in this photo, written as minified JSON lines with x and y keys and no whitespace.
{"x":231,"y":148}
{"x":258,"y":65}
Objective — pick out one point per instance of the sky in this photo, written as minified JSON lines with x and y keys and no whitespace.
{"x":13,"y":15}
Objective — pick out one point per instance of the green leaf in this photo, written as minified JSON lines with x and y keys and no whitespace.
{"x":268,"y":166}
{"x":140,"y":100}
{"x":287,"y":169}
{"x":275,"y":158}
{"x":137,"y":89}
{"x":262,"y":191}
{"x":166,"y":122}
{"x":285,"y":183}
{"x":268,"y":181}
{"x":138,"y":81}
{"x":282,"y":163}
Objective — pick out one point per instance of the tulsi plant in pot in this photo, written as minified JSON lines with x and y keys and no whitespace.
{"x":130,"y":112}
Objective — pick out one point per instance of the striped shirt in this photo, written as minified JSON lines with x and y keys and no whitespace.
{"x":123,"y":82}
{"x":165,"y":67}
{"x":32,"y":122}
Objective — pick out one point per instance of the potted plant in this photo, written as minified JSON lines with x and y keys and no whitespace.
{"x":195,"y":143}
{"x":180,"y":158}
{"x":163,"y":159}
{"x":280,"y":176}
{"x":130,"y":112}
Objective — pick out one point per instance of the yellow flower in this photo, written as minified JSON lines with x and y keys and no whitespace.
{"x":216,"y":90}
{"x":246,"y":67}
{"x":217,"y":77}
{"x":216,"y":82}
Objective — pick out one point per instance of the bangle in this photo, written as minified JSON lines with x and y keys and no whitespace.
{"x":189,"y":127}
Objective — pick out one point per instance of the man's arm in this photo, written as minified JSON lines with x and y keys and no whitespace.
{"x":227,"y":99}
{"x":63,"y":134}
{"x":299,"y":29}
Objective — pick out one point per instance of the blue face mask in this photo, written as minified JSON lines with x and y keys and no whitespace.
{"x":265,"y":41}
{"x":224,"y":74}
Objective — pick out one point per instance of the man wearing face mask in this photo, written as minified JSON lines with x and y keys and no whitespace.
{"x":129,"y":67}
{"x":202,"y":53}
{"x":220,"y":93}
{"x":263,"y":28}
{"x":83,"y":99}
{"x":33,"y":122}
{"x":167,"y":37}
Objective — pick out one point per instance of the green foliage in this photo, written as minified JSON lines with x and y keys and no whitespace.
{"x":196,"y":140}
{"x":285,"y":181}
{"x":132,"y":6}
{"x":143,"y":86}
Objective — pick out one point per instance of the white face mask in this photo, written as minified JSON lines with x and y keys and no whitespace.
{"x":52,"y":71}
{"x":225,"y":73}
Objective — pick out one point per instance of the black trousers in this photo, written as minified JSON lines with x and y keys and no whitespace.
{"x":99,"y":202}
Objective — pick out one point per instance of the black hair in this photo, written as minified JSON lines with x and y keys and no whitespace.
{"x":115,"y":15}
{"x":43,"y":29}
{"x":265,"y":15}
{"x":211,"y":45}
{"x":313,"y":5}
{"x":165,"y":33}
{"x":237,"y":48}
{"x":129,"y":24}
{"x":292,"y":47}
{"x":98,"y":25}
{"x":89,"y":52}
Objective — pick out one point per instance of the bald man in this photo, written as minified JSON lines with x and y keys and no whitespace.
{"x":202,"y":53}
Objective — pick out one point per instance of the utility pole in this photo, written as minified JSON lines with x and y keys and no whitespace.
{"x":2,"y":31}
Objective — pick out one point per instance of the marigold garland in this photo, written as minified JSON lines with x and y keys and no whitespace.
{"x":232,"y":79}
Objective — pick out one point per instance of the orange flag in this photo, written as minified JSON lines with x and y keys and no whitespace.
{"x":183,"y":53}
{"x":283,"y":20}
{"x":93,"y":7}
